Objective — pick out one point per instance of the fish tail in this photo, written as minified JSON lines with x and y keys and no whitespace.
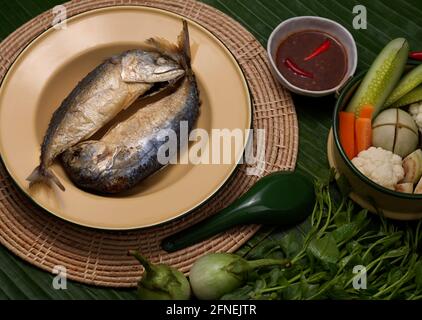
{"x":43,"y":175}
{"x":184,"y":49}
{"x":180,"y":52}
{"x":165,"y":47}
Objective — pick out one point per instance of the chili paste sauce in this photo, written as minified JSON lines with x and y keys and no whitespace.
{"x":312,"y":60}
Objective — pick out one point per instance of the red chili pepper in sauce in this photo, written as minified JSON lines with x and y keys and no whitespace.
{"x":296,"y":69}
{"x":322,"y":48}
{"x":417,"y":55}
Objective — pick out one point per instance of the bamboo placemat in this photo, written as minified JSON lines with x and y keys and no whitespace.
{"x":99,"y":257}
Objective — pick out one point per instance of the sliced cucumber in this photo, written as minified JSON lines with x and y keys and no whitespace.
{"x":409,"y":82}
{"x":381,"y":78}
{"x":413,"y":96}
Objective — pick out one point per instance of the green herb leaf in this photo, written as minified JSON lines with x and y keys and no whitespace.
{"x":396,"y":253}
{"x":292,"y":243}
{"x":394,"y":275}
{"x":325,"y":250}
{"x":293,"y":292}
{"x":345,"y":232}
{"x":308,"y":289}
{"x":239,"y":294}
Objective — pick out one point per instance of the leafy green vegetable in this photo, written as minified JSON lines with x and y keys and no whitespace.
{"x":323,"y":258}
{"x":324,"y":250}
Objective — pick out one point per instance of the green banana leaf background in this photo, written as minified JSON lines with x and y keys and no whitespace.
{"x":386,"y":20}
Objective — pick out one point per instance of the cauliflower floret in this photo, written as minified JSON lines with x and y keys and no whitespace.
{"x":415,"y":110}
{"x":381,"y":166}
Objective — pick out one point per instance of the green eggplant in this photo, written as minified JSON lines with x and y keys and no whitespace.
{"x":161,"y":282}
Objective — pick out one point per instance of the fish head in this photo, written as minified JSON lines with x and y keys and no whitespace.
{"x":149,"y":67}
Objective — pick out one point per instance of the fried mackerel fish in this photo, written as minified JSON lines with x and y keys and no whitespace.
{"x":99,"y":97}
{"x":128,"y":153}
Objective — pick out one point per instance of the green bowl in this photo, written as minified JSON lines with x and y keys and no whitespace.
{"x":370,"y":195}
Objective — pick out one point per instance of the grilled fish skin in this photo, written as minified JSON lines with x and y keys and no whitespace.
{"x":128,"y":153}
{"x":99,"y":97}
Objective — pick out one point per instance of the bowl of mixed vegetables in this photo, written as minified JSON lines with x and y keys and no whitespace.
{"x":376,"y":145}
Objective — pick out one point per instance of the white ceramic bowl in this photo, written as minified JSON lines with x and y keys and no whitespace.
{"x":294,"y":25}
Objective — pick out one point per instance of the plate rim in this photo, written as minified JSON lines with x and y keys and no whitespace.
{"x":183,"y":213}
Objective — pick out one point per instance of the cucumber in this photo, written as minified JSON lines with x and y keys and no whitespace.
{"x":381,"y":78}
{"x":413,"y":96}
{"x":409,"y":82}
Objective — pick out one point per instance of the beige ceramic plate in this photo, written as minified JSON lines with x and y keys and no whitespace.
{"x":52,"y":65}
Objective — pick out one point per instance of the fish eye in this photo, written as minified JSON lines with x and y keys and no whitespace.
{"x":160,"y":61}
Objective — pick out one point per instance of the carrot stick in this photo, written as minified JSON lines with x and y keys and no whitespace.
{"x":347,"y":133}
{"x":363,"y":134}
{"x":367,"y":111}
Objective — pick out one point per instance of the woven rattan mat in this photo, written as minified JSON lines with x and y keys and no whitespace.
{"x":99,"y":257}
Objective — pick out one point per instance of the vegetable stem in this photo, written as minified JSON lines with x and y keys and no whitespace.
{"x":289,"y":282}
{"x":144,"y":262}
{"x":268,"y":262}
{"x":399,"y":282}
{"x":329,"y":212}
